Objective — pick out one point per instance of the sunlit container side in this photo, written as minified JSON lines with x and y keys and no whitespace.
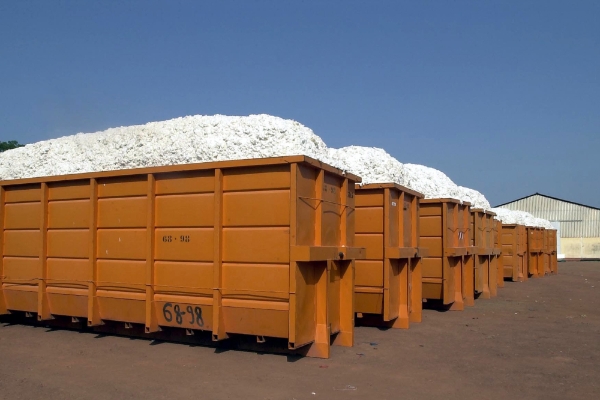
{"x":444,"y":232}
{"x":388,"y":281}
{"x":256,"y":247}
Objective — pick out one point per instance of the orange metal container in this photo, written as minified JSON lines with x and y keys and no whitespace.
{"x":553,"y":251}
{"x":547,"y":251}
{"x":444,"y":231}
{"x":514,"y":252}
{"x":388,"y":281}
{"x":497,"y":256}
{"x":256,"y":247}
{"x":480,"y":259}
{"x":535,"y":251}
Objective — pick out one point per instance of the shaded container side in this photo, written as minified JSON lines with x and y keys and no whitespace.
{"x":553,"y":251}
{"x":388,"y":280}
{"x":444,"y":231}
{"x":480,"y":260}
{"x":257,"y":247}
{"x":535,"y":251}
{"x":497,"y":256}
{"x":514,"y":254}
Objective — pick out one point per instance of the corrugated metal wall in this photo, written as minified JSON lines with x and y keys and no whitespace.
{"x":575,"y":221}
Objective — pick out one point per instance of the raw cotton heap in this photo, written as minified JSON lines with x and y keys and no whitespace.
{"x":372,"y":164}
{"x":477,"y":199}
{"x":178,"y":141}
{"x":520,"y":217}
{"x":375,"y":165}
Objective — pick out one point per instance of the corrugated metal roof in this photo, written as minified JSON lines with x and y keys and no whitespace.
{"x":575,"y":220}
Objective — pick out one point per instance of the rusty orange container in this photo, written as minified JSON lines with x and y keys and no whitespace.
{"x":553,"y":251}
{"x":256,"y":247}
{"x":388,"y":281}
{"x":482,"y":244}
{"x":514,"y":252}
{"x":535,"y":251}
{"x":497,"y":253}
{"x":444,"y":232}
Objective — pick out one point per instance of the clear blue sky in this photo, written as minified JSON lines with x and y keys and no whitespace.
{"x":503,"y":96}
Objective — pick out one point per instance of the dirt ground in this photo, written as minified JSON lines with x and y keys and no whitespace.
{"x":537,"y":339}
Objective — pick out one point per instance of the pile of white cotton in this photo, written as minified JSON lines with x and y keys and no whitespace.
{"x":375,"y":165}
{"x":178,"y":141}
{"x":372,"y":164}
{"x":520,"y":217}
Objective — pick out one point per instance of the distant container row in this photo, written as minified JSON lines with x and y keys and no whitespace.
{"x":284,"y":247}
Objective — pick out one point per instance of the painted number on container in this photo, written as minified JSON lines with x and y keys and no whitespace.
{"x":170,"y":239}
{"x":174,"y":311}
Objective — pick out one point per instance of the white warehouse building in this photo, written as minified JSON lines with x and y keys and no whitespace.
{"x":578,"y":225}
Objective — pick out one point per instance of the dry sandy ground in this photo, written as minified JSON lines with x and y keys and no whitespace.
{"x":537,"y":340}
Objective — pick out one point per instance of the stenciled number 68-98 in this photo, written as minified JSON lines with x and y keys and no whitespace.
{"x":195,"y":314}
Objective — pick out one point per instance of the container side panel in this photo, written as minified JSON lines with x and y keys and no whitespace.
{"x":431,"y":226}
{"x":369,"y":273}
{"x":23,"y":193}
{"x":71,"y":214}
{"x":185,"y":182}
{"x":69,"y":190}
{"x":373,"y":243}
{"x":256,"y":245}
{"x":332,"y":211}
{"x":432,"y":267}
{"x":395,"y":235}
{"x":22,"y":243}
{"x":430,"y":209}
{"x":407,"y":220}
{"x":122,"y":212}
{"x":183,"y":277}
{"x":369,"y":198}
{"x":68,"y":243}
{"x":22,"y":215}
{"x":123,"y":186}
{"x":72,"y":271}
{"x":255,"y":321}
{"x":189,"y":210}
{"x":124,"y":275}
{"x":306,"y":205}
{"x":184,"y":244}
{"x":434,"y":246}
{"x":256,"y":281}
{"x":262,"y":208}
{"x":124,"y":244}
{"x":432,"y":290}
{"x":256,"y":178}
{"x":21,"y":270}
{"x":369,"y":220}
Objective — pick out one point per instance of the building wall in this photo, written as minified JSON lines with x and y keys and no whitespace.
{"x":580,"y":247}
{"x":575,"y":221}
{"x":578,"y":226}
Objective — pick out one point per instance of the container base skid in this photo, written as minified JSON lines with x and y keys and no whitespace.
{"x":261,"y":248}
